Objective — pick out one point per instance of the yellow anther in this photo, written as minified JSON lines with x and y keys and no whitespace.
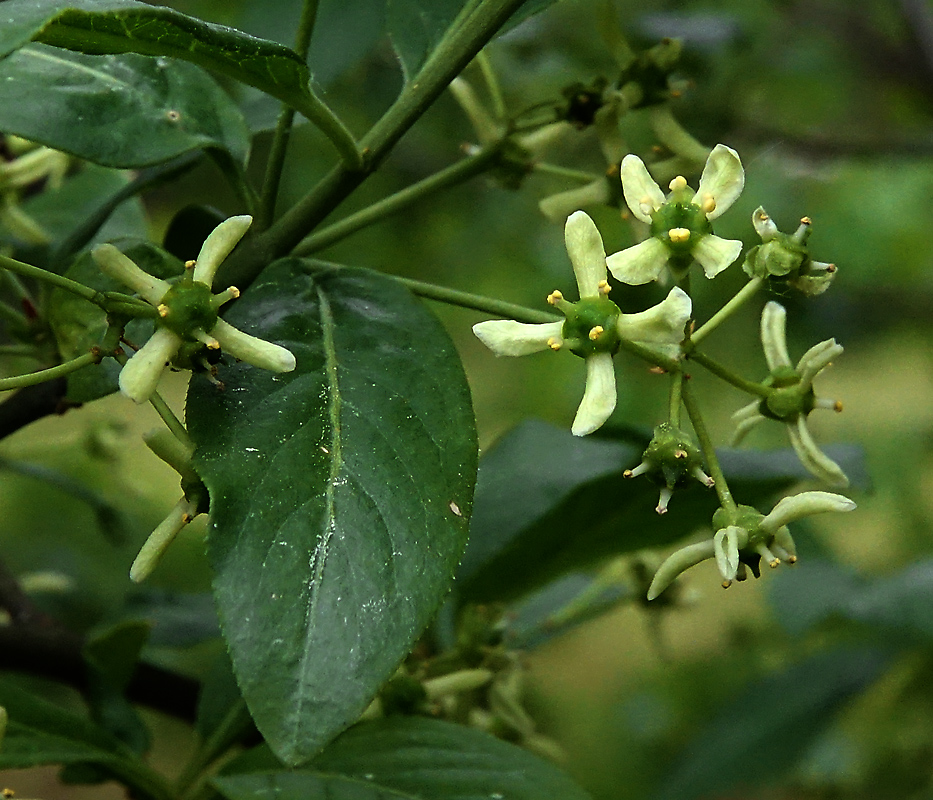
{"x":837,"y":406}
{"x":680,"y":454}
{"x":792,"y":560}
{"x":831,"y":268}
{"x":603,"y":287}
{"x":806,"y":221}
{"x":708,"y":204}
{"x":163,"y":310}
{"x":554,"y":344}
{"x":679,"y":235}
{"x":233,"y":292}
{"x":627,"y":473}
{"x":678,"y":184}
{"x":190,"y":264}
{"x":726,"y":584}
{"x":554,"y":297}
{"x":596,"y":332}
{"x":774,"y":563}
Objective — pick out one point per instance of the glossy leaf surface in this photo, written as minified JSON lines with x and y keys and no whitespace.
{"x":340,"y":494}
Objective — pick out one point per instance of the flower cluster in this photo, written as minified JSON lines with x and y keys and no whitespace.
{"x":188,"y":313}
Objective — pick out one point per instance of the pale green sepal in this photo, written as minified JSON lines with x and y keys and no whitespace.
{"x":774,"y":335}
{"x":155,"y":546}
{"x":218,"y":245}
{"x":813,"y":459}
{"x":641,"y":263}
{"x":801,"y":505}
{"x":253,"y":350}
{"x":559,"y":206}
{"x":816,"y":359}
{"x":678,"y":562}
{"x":723,"y":179}
{"x":20,"y":224}
{"x":750,"y":417}
{"x":715,"y":254}
{"x":586,"y":251}
{"x":662,"y":325}
{"x":140,"y":375}
{"x":726,"y":545}
{"x":487,"y":129}
{"x":121,"y":268}
{"x":505,"y":337}
{"x":642,"y":194}
{"x":599,"y":398}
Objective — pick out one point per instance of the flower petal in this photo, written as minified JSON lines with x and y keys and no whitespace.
{"x":641,"y":263}
{"x":486,"y":128}
{"x":801,"y":505}
{"x":662,"y":324}
{"x":642,"y":194}
{"x":140,"y":375}
{"x":815,"y":460}
{"x":723,"y":179}
{"x":151,"y":552}
{"x":557,"y":207}
{"x":505,"y":337}
{"x":774,"y":335}
{"x":745,"y":418}
{"x":764,"y":225}
{"x":586,"y":251}
{"x":726,"y":550}
{"x":678,"y":562}
{"x":599,"y":399}
{"x":121,"y":268}
{"x":816,"y":359}
{"x":218,"y":245}
{"x":252,"y":349}
{"x":715,"y":253}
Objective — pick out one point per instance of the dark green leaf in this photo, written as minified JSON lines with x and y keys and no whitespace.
{"x":177,"y":620}
{"x":79,"y":325}
{"x":340,"y":494}
{"x":119,"y":111}
{"x":548,"y":502}
{"x":757,"y":737}
{"x":416,"y":758}
{"x":127,"y":26}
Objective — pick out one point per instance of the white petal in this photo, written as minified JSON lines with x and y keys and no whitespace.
{"x":121,"y":268}
{"x":678,"y":562}
{"x":252,"y":349}
{"x":662,"y":324}
{"x":642,"y":194}
{"x":744,"y":425}
{"x":218,"y":245}
{"x":715,"y":253}
{"x":505,"y":337}
{"x":764,"y":225}
{"x":641,"y":263}
{"x":816,"y":359}
{"x":140,"y":375}
{"x":599,"y":399}
{"x":586,"y":251}
{"x":726,"y":550}
{"x":815,"y":460}
{"x":723,"y":178}
{"x":155,"y":546}
{"x":802,"y":505}
{"x":559,"y":206}
{"x":774,"y":335}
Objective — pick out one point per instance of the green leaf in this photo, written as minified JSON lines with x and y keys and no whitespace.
{"x":415,"y":758}
{"x":757,"y":737}
{"x":119,"y":111}
{"x":340,"y":494}
{"x":548,"y":503}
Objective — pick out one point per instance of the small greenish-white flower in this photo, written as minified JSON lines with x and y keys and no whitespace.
{"x":792,"y":397}
{"x":188,"y":312}
{"x":680,"y":222}
{"x":784,"y":257}
{"x":744,"y":537}
{"x":30,"y":164}
{"x":593,"y":326}
{"x":670,"y":460}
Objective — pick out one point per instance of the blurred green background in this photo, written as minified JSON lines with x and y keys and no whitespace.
{"x":810,"y":683}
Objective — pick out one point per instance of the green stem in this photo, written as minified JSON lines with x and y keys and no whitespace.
{"x":706,"y":447}
{"x":651,"y":356}
{"x":460,"y":44}
{"x":29,"y":271}
{"x":727,"y":310}
{"x":15,"y":318}
{"x":325,"y":120}
{"x":672,"y":134}
{"x":168,"y":417}
{"x":492,"y":85}
{"x":498,"y":308}
{"x":233,"y":726}
{"x":450,"y":176}
{"x":50,"y":374}
{"x":677,"y":383}
{"x":235,"y":176}
{"x":721,"y":371}
{"x":283,"y":127}
{"x":13,"y":350}
{"x":565,"y":172}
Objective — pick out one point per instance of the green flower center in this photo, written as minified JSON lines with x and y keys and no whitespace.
{"x":680,"y":226}
{"x":591,"y":326}
{"x":787,"y":399}
{"x":187,"y":306}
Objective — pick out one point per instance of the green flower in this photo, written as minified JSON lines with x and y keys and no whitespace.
{"x":745,"y":536}
{"x":792,"y":397}
{"x":593,"y":326}
{"x":680,"y":223}
{"x":188,"y":312}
